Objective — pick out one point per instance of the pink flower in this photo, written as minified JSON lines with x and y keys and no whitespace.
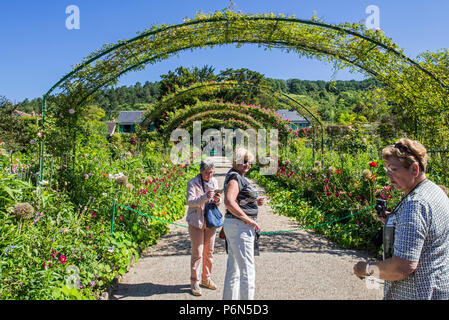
{"x":62,"y":259}
{"x":71,"y":111}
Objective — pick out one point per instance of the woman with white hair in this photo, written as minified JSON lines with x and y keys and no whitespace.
{"x":240,"y":227}
{"x":201,"y":190}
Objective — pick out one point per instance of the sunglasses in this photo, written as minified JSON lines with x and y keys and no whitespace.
{"x":406,"y":149}
{"x":244,"y":162}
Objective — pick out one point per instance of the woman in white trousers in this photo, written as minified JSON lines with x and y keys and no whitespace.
{"x":240,"y":226}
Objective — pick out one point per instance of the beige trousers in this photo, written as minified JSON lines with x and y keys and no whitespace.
{"x":202,"y":243}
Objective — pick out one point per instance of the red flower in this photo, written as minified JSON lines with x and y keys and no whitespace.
{"x":338,"y":171}
{"x":373,"y":164}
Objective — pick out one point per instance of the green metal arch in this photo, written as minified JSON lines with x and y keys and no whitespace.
{"x":298,"y":105}
{"x":237,"y":116}
{"x":86,"y":73}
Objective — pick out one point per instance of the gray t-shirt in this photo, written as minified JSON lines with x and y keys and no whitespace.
{"x":422,"y":235}
{"x":247,"y":197}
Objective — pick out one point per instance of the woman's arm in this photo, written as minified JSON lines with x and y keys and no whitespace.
{"x":193,"y":200}
{"x":393,"y":269}
{"x":232,"y":205}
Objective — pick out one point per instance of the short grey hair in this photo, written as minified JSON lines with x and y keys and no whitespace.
{"x":207,"y":164}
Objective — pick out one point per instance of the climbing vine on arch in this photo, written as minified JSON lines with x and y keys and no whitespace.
{"x":266,"y":118}
{"x":420,"y":88}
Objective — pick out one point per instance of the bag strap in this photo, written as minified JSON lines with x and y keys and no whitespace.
{"x":202,"y":183}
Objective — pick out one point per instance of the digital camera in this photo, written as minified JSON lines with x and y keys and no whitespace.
{"x":381,"y":208}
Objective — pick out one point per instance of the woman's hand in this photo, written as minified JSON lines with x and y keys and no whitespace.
{"x":360,"y":270}
{"x":217,"y":198}
{"x":383,"y":219}
{"x":210,"y":194}
{"x":254,"y":224}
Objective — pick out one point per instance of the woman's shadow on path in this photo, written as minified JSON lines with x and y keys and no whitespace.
{"x":125,"y":290}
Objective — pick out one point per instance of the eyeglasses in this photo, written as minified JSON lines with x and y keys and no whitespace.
{"x":391,"y":170}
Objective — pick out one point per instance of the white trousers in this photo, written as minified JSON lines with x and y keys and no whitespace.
{"x":240,"y":279}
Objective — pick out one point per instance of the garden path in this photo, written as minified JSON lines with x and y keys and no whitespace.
{"x":291,"y":266}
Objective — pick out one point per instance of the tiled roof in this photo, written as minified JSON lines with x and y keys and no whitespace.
{"x":292,"y":115}
{"x":130,"y":117}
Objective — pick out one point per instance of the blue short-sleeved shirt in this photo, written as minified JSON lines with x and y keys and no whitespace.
{"x":422,"y":235}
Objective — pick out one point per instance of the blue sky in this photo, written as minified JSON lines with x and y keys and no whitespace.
{"x":37,"y":49}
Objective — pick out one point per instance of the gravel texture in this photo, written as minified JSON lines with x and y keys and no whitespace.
{"x":291,"y":266}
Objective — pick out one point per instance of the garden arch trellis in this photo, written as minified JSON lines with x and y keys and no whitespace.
{"x":347,"y":45}
{"x":169,"y":101}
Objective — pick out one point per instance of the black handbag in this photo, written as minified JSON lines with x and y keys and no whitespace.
{"x":213,"y":216}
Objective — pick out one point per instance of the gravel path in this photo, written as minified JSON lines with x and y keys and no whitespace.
{"x":291,"y":266}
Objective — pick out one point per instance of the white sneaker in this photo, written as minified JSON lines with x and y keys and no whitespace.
{"x":195,"y":287}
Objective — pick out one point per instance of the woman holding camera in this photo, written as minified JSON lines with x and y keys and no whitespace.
{"x":416,"y":233}
{"x":200,"y":190}
{"x":240,"y":227}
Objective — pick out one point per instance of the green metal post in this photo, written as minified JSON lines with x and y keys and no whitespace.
{"x":113,"y":217}
{"x":41,"y":160}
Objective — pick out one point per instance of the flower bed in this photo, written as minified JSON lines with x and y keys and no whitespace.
{"x":64,"y":249}
{"x":318,"y":193}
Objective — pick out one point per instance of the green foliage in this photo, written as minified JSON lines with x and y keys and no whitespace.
{"x":66,"y":251}
{"x":321,"y":194}
{"x":16,"y":133}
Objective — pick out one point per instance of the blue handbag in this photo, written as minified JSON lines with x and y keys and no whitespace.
{"x":213,"y":216}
